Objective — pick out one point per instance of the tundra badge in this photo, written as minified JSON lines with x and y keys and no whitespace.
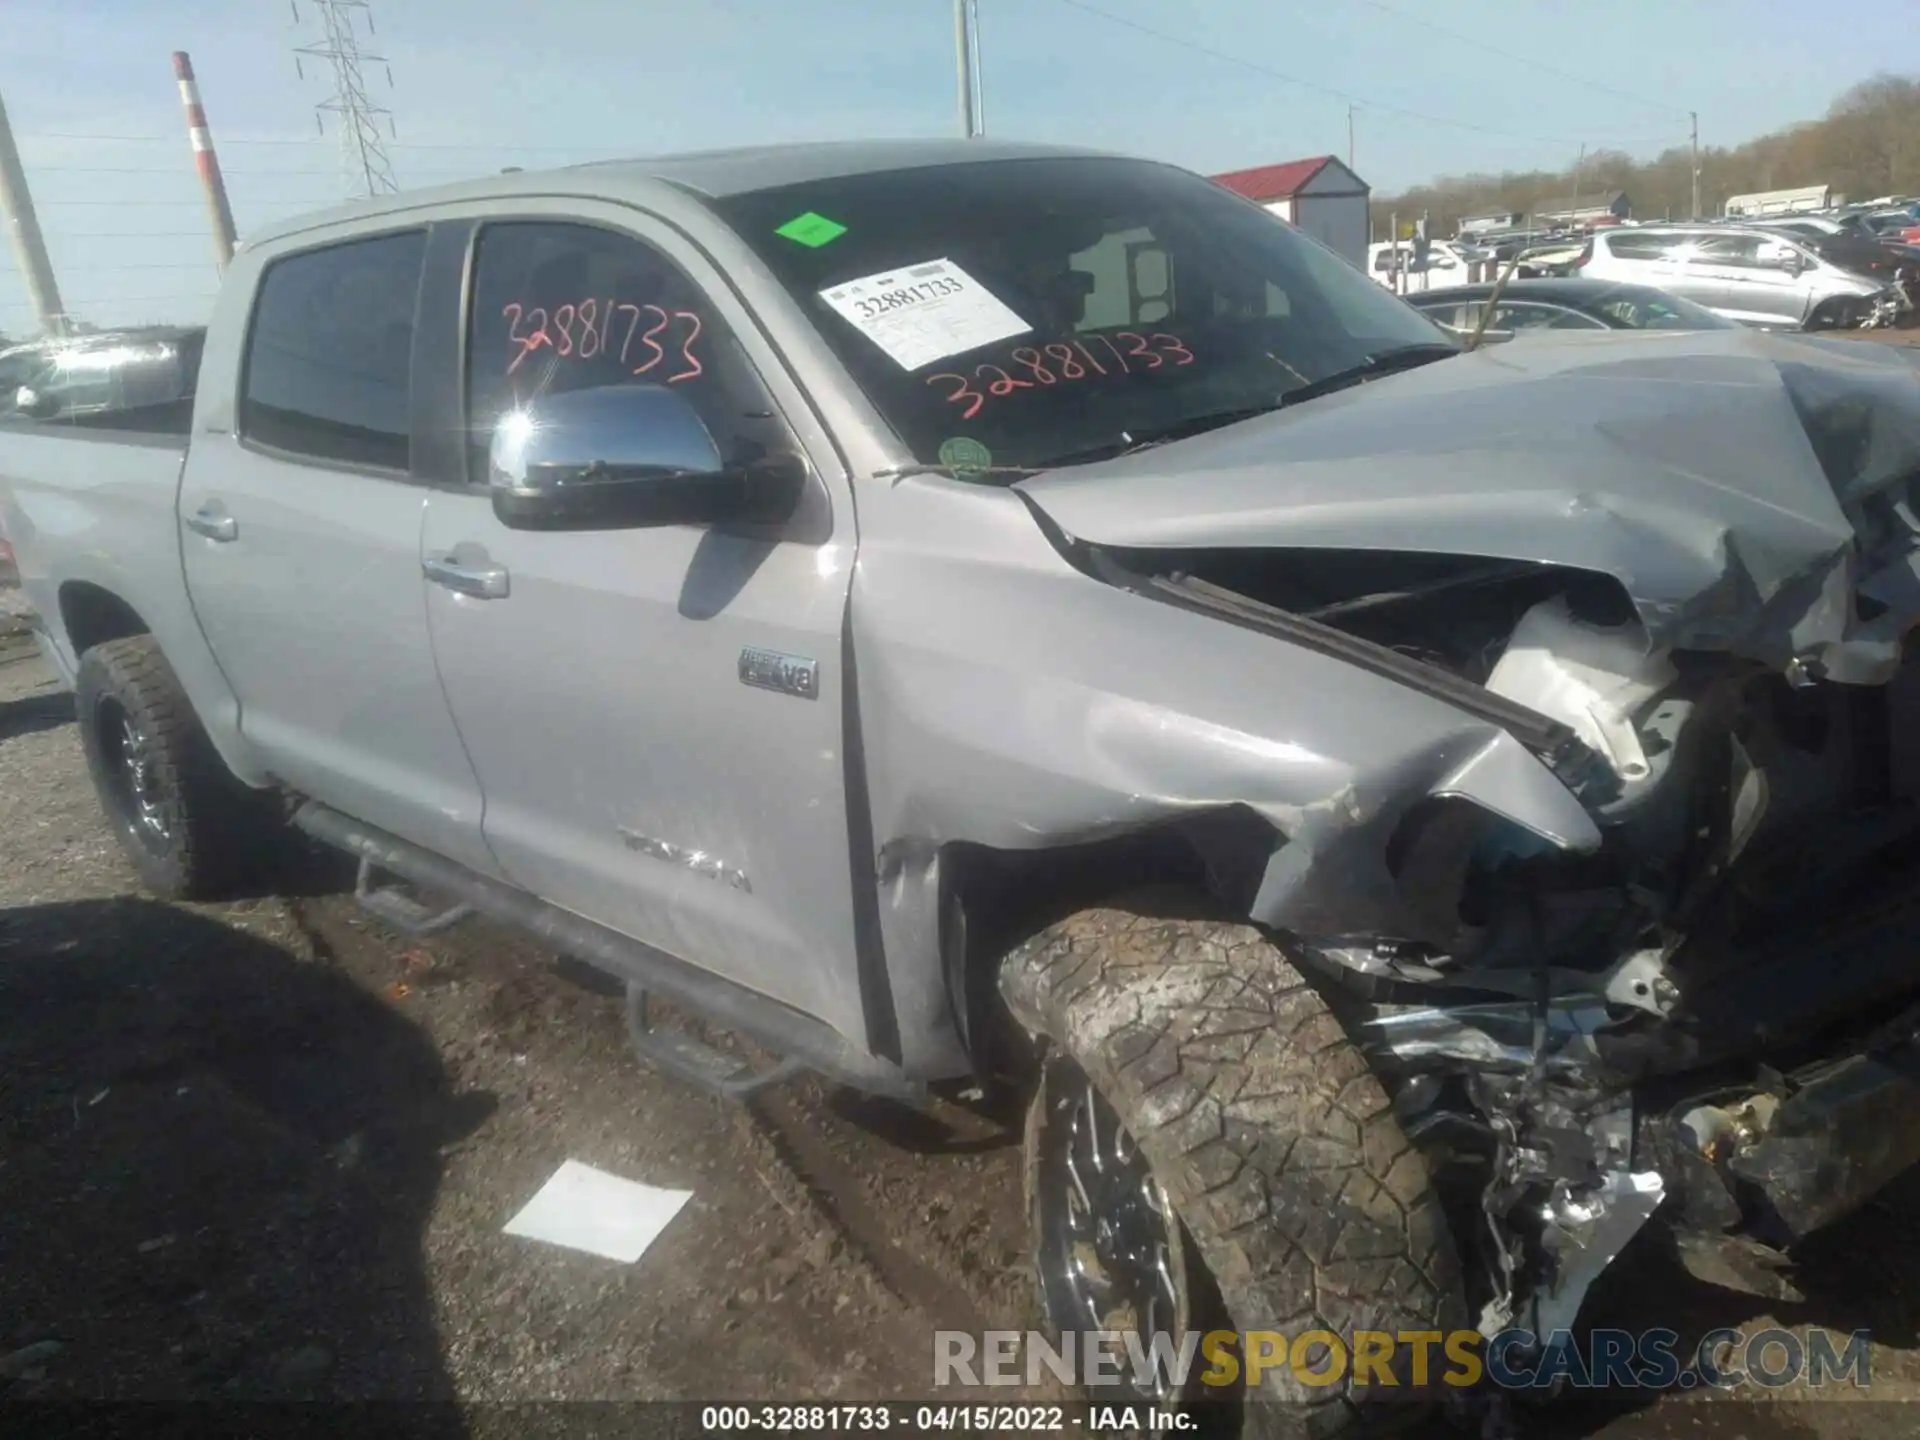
{"x":789,"y":674}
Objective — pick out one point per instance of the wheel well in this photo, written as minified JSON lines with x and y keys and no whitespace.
{"x":1207,"y":866}
{"x":92,"y":616}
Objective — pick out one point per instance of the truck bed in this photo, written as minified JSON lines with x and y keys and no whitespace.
{"x":95,"y":507}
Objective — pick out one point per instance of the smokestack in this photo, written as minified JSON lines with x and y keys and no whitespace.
{"x":204,"y":160}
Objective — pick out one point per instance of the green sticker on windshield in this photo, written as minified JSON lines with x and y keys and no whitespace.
{"x":811,"y":230}
{"x":964,"y":456}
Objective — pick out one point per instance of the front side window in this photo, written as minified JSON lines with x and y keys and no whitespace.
{"x":560,"y":307}
{"x":330,"y":353}
{"x":1039,"y":311}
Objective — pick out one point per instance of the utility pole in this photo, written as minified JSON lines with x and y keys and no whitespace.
{"x":355,"y":116}
{"x":964,"y":20}
{"x":1694,"y":117}
{"x":201,"y":138}
{"x":1349,"y":137}
{"x":29,"y":246}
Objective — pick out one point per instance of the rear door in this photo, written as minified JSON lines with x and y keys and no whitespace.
{"x":1640,"y":257}
{"x":637,"y":769}
{"x":302,"y":547}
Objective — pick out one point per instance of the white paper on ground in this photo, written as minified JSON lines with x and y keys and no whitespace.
{"x":922,"y":313}
{"x":588,"y":1209}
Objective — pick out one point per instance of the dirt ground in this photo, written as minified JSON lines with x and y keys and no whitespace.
{"x":266,"y":1150}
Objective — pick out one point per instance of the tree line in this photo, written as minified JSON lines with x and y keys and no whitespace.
{"x":1866,"y":146}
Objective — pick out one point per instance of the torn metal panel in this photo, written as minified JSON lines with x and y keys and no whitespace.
{"x":1010,"y":701}
{"x":1722,"y":477}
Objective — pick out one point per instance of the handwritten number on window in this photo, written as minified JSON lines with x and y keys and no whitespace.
{"x":1062,"y":363}
{"x":587,"y":328}
{"x":962,"y":392}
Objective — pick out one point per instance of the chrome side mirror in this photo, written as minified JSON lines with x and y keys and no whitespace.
{"x":626,"y":456}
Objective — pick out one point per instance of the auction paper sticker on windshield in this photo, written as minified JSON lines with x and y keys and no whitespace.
{"x":923,"y":313}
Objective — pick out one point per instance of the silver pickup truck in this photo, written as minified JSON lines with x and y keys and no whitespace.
{"x":1404,"y":817}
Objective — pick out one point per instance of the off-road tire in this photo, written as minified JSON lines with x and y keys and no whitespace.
{"x":1272,"y":1139}
{"x":215,"y":824}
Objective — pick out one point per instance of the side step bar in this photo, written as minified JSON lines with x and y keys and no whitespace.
{"x":804,"y":1041}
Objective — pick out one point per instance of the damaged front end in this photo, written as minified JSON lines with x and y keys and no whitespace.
{"x":1675,"y":1000}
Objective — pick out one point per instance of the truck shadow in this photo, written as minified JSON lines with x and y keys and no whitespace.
{"x":218,"y":1165}
{"x":1863,"y":1274}
{"x":34,"y":713}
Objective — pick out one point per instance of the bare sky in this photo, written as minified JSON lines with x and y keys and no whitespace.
{"x":483,"y":83}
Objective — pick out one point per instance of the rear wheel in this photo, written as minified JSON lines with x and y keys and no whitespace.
{"x":189,"y":827}
{"x":1207,"y":1149}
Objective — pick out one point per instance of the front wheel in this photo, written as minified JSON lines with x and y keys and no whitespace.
{"x":1206,"y":1149}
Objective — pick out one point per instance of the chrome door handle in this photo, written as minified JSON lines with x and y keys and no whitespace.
{"x":482,"y":582}
{"x":212,"y":521}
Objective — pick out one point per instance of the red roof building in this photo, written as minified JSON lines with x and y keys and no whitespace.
{"x":1318,"y":195}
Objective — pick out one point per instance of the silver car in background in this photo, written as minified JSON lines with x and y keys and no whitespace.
{"x":1754,"y":276}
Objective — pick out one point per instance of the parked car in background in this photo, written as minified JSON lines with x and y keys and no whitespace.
{"x":1449,"y":262}
{"x":1758,"y":277}
{"x":139,"y":379}
{"x":1576,"y":304}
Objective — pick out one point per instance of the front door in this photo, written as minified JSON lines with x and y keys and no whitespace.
{"x":633,"y":772}
{"x":1749,"y":279}
{"x":302,"y":549}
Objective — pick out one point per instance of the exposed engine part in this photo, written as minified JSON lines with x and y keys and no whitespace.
{"x":1595,"y":678}
{"x":1581,"y":1233}
{"x":1641,"y":982}
{"x":1718,"y":1133}
{"x":1734,"y":1262}
{"x":1492,"y":1036}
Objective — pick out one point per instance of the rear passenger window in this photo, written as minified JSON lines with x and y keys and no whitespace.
{"x":329,"y":357}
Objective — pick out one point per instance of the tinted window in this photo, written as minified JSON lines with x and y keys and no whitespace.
{"x":571,"y":307}
{"x":1640,"y":247}
{"x":1035,"y":311}
{"x":329,"y":356}
{"x":1647,"y":309}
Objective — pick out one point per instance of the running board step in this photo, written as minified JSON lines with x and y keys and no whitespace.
{"x":806,"y":1041}
{"x":391,"y":905}
{"x":680,"y":1055}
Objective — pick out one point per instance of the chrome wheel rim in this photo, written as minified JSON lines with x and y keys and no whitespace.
{"x":1110,"y":1251}
{"x":134,"y":775}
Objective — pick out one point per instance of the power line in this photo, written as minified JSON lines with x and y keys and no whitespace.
{"x":355,"y":116}
{"x":1478,"y":43}
{"x":1344,"y":96}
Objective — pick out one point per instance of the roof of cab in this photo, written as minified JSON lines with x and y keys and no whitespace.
{"x":711,"y":173}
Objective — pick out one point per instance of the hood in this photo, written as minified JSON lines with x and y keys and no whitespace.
{"x":1739,"y":486}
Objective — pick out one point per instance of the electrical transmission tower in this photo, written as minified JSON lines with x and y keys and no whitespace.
{"x":356,"y":119}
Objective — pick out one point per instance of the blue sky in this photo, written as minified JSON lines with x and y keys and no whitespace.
{"x":480,"y":84}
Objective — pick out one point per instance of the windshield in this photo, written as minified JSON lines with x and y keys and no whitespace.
{"x":1638,"y":308}
{"x":1027,"y":312}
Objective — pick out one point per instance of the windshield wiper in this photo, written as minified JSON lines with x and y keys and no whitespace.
{"x":1385,"y":362}
{"x":1133,"y":441}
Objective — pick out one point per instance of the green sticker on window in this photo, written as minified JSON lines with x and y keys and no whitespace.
{"x":964,"y":455}
{"x":811,"y":230}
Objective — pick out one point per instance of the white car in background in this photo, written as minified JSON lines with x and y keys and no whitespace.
{"x":1758,"y":277}
{"x":1449,"y":262}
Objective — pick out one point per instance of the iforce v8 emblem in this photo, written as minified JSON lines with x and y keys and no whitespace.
{"x":788,"y":674}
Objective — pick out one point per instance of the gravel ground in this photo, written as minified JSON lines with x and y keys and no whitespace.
{"x":266,"y":1149}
